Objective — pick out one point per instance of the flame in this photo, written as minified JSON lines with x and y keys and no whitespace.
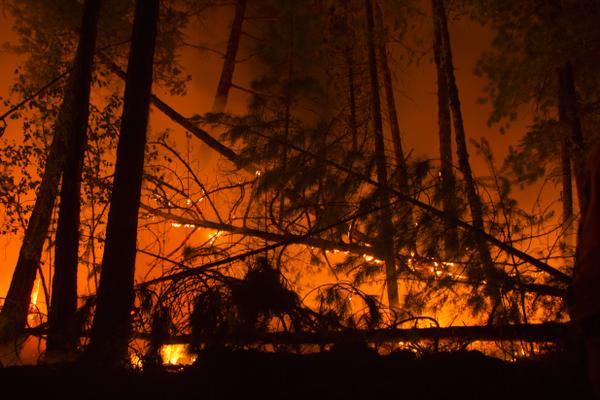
{"x":136,"y":361}
{"x":34,"y":294}
{"x":178,"y":225}
{"x":176,"y":354}
{"x":369,"y":258}
{"x":33,"y":300}
{"x":213,"y":236}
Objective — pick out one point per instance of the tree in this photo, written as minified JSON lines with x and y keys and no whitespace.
{"x":62,"y":335}
{"x":544,"y":54}
{"x":473,"y":199}
{"x":71,"y":122}
{"x":447,"y":179}
{"x":112,"y":321}
{"x":387,"y":231}
{"x":229,"y":60}
{"x":572,"y":144}
{"x":401,"y":164}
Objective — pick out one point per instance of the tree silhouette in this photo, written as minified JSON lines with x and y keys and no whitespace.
{"x":62,"y":335}
{"x":112,"y":321}
{"x":71,"y":123}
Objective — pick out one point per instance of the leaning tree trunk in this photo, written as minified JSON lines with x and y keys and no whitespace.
{"x":489,"y":271}
{"x":62,"y":334}
{"x":71,"y":120}
{"x":447,"y":180}
{"x":386,"y":237}
{"x":230,"y":56}
{"x":391,"y":105}
{"x":13,"y":317}
{"x":112,"y":321}
{"x":402,"y":169}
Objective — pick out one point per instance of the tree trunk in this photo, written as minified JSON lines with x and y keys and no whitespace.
{"x":402,"y":169}
{"x":288,"y":99}
{"x":62,"y":335}
{"x":473,"y":199}
{"x":386,"y":237}
{"x":13,"y":317}
{"x":391,"y":104}
{"x":112,"y":321}
{"x":567,"y":191}
{"x":230,"y":56}
{"x":352,"y":98}
{"x":569,"y":118}
{"x":447,"y":180}
{"x":72,"y":116}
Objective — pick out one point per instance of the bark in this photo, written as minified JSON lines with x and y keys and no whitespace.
{"x":13,"y":317}
{"x":391,"y":106}
{"x":447,"y":180}
{"x":72,"y":116}
{"x":386,"y":237}
{"x":473,"y":199}
{"x":288,"y":99}
{"x":230,"y":56}
{"x":569,"y":119}
{"x":402,"y":169}
{"x":62,"y":334}
{"x":112,"y":321}
{"x":352,"y":98}
{"x":567,"y":191}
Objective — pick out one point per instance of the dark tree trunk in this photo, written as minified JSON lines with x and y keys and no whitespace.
{"x":386,"y":237}
{"x":544,"y":332}
{"x":72,"y":117}
{"x":230,"y":56}
{"x":567,"y":191}
{"x":569,"y":118}
{"x":473,"y":199}
{"x":62,"y":334}
{"x":352,"y":98}
{"x":13,"y":317}
{"x":402,"y":169}
{"x":112,"y":321}
{"x":391,"y":106}
{"x":288,"y":92}
{"x":447,"y":180}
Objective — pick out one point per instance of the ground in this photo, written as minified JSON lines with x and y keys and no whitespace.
{"x":341,"y":374}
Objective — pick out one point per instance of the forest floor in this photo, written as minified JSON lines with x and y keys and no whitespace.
{"x":347,"y":374}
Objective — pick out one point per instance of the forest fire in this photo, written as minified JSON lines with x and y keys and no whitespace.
{"x":261,"y":184}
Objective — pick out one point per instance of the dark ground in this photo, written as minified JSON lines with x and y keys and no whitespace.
{"x":347,"y":374}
